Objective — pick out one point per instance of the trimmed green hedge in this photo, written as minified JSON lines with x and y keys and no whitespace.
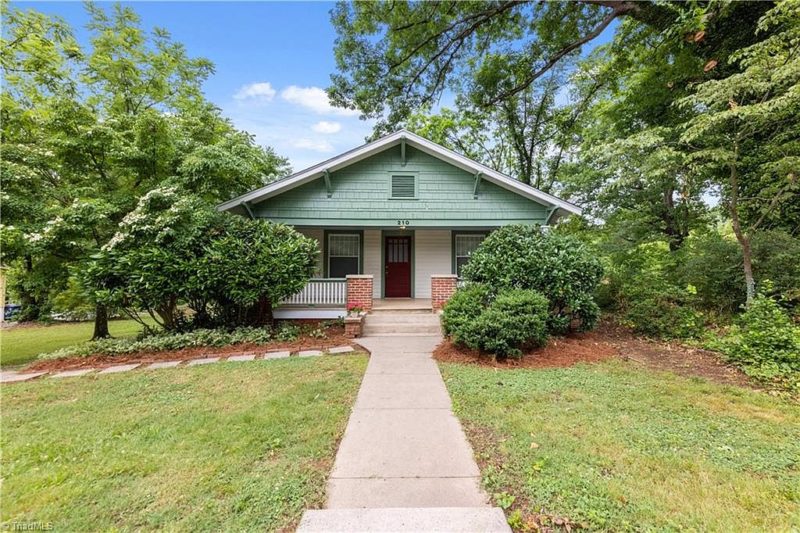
{"x":514,"y":321}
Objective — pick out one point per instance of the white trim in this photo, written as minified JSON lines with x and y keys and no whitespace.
{"x":288,"y":313}
{"x":429,"y":147}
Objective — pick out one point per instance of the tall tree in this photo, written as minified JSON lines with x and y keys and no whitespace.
{"x":395,"y":58}
{"x":745,"y":134}
{"x":86,"y":132}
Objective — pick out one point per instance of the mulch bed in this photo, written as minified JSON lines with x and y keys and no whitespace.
{"x":559,"y":352}
{"x":334,"y":337}
{"x":609,"y":340}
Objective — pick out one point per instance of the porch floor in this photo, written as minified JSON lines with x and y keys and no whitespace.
{"x":401,"y":304}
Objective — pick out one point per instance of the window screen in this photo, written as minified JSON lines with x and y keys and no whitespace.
{"x":344,"y":254}
{"x":464,"y":246}
{"x":403,"y":187}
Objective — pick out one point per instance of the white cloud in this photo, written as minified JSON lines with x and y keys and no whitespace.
{"x":324,"y":126}
{"x":261,"y":91}
{"x":315,"y":99}
{"x":313,"y":144}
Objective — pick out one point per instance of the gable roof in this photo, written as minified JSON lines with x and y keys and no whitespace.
{"x":411,"y":139}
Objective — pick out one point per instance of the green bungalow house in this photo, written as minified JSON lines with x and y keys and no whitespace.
{"x":396,"y":218}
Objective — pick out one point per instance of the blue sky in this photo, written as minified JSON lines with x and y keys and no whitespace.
{"x":273,"y":61}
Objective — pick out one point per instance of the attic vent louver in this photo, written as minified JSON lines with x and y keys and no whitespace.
{"x":403,"y":187}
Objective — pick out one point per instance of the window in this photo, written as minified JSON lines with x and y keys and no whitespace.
{"x":463,"y":246}
{"x":344,"y":254}
{"x":403,"y":187}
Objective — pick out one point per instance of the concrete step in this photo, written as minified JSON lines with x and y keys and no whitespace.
{"x":393,"y":310}
{"x":405,"y":318}
{"x":455,"y":519}
{"x":406,"y":329}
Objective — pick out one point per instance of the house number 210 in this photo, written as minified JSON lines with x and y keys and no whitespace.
{"x":403,"y":222}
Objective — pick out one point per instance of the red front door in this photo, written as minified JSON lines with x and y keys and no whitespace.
{"x":398,"y":267}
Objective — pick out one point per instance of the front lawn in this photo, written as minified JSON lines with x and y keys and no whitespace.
{"x":229,"y":446}
{"x":21,"y":344}
{"x":614,"y":446}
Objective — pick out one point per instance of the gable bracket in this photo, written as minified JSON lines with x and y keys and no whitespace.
{"x":248,"y":209}
{"x":403,"y":151}
{"x":328,"y":188}
{"x":550,"y":214}
{"x":477,"y":185}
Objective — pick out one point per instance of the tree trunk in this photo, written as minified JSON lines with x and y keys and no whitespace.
{"x":31,"y":307}
{"x":100,"y":322}
{"x":264,"y":313}
{"x":741,"y":236}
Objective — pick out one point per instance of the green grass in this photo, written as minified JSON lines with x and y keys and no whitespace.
{"x":616,"y":447}
{"x":229,"y":446}
{"x":20,"y":345}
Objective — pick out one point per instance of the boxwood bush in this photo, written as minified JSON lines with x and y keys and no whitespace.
{"x":514,"y":321}
{"x":464,"y":307}
{"x":560,"y":267}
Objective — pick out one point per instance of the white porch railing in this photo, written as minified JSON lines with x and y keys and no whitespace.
{"x":321,"y":291}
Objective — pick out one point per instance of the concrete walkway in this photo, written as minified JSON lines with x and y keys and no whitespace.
{"x":404,"y":463}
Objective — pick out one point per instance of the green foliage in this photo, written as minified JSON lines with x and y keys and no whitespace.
{"x":775,"y":254}
{"x":765,"y":343}
{"x":464,"y":307}
{"x":244,"y":446}
{"x":665,"y":313}
{"x":711,"y":262}
{"x":230,"y":270}
{"x":616,"y":446}
{"x":175,"y":341}
{"x":560,"y":267}
{"x":86,"y":131}
{"x":513,"y":321}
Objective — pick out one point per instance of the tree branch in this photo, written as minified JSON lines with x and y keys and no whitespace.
{"x":619,"y":9}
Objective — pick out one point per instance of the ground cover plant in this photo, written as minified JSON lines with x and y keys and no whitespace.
{"x":229,"y":446}
{"x":615,"y":446}
{"x":20,"y":345}
{"x":175,"y":341}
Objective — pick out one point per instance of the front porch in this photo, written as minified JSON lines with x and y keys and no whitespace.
{"x":381,"y":269}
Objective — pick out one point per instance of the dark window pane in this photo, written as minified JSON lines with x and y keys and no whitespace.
{"x":342,"y":266}
{"x":460,"y":262}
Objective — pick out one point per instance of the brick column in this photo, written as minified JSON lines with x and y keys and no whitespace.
{"x":442,"y":288}
{"x":359,"y":291}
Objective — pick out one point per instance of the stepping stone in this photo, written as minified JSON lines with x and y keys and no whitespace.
{"x":163,"y":364}
{"x":13,"y":377}
{"x":119,"y":368}
{"x":205,"y":361}
{"x":277,"y":355}
{"x":341,"y":349}
{"x":72,"y":373}
{"x":243,"y":357}
{"x":309,"y":353}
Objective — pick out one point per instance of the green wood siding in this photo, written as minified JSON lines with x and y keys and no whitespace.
{"x":361,"y":197}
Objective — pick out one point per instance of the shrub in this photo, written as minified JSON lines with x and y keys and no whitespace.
{"x":712,"y":263}
{"x":464,"y":307}
{"x":664,"y":313}
{"x":228,"y":269}
{"x":165,"y":341}
{"x":765,"y":343}
{"x":516,"y":320}
{"x":558,"y":266}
